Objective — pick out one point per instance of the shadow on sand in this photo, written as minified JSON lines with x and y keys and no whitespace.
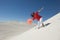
{"x":47,"y":24}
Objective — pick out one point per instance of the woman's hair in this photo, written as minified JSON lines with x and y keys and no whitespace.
{"x":32,"y":14}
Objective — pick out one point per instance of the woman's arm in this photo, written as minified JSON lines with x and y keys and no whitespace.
{"x":40,"y":10}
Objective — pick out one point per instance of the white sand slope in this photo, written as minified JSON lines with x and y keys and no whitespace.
{"x":10,"y":29}
{"x":50,"y":32}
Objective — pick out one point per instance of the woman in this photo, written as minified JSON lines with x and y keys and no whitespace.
{"x":35,"y":15}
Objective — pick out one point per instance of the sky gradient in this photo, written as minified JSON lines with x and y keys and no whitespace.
{"x":20,"y":10}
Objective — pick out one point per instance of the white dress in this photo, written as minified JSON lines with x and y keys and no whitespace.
{"x":39,"y":23}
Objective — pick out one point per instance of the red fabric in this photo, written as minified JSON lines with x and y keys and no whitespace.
{"x":36,"y":16}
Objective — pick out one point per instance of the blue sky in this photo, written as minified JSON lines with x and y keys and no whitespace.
{"x":20,"y":10}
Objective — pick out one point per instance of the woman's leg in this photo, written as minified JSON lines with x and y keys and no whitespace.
{"x":40,"y":23}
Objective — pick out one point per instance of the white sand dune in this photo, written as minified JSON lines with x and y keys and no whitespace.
{"x":9,"y":29}
{"x":17,"y":31}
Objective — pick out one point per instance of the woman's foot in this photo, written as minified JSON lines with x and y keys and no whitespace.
{"x":42,"y":25}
